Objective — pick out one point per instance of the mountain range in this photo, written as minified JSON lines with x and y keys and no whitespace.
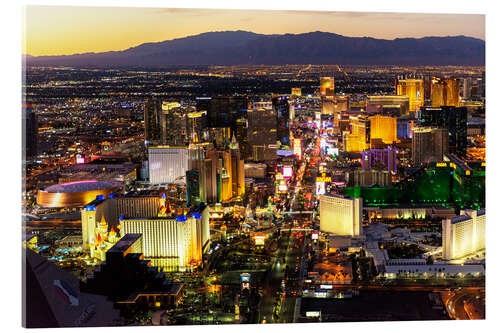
{"x":247,"y":48}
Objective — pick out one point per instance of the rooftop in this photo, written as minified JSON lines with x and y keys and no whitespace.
{"x":81,"y":186}
{"x":124,"y":243}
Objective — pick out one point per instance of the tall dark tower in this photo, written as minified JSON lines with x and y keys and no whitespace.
{"x":223,"y":111}
{"x":454,"y":120}
{"x":152,"y":121}
{"x":30,"y":132}
{"x":282,"y":111}
{"x":241,"y":135}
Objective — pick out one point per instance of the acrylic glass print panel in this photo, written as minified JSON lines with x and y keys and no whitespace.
{"x":197,"y":166}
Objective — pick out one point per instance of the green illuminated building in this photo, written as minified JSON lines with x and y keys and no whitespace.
{"x":453,"y":183}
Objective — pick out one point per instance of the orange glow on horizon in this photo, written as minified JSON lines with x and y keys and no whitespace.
{"x":59,"y":30}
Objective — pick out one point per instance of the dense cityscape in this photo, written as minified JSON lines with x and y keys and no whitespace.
{"x":253,"y":194}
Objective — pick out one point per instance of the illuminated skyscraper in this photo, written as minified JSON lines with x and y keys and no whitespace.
{"x":282,"y":111}
{"x":210,"y":181}
{"x":172,"y":125}
{"x":237,"y":170}
{"x":164,"y":123}
{"x":30,"y":132}
{"x":296,"y":92}
{"x":111,"y":209}
{"x":168,"y":164}
{"x":170,"y":242}
{"x":445,"y":92}
{"x":222,"y":177}
{"x":454,"y":120}
{"x":464,"y":234}
{"x":383,"y":128}
{"x":197,"y":127}
{"x":414,"y":89}
{"x":341,"y":216}
{"x":429,"y":144}
{"x":465,"y":88}
{"x":327,"y":87}
{"x":388,"y":105}
{"x":359,"y":137}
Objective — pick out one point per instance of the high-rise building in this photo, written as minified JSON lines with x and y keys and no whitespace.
{"x":220,"y":136}
{"x":388,"y":105}
{"x":327,"y":87}
{"x":464,"y":234}
{"x":383,"y":128}
{"x":172,"y":125}
{"x":465,"y":88}
{"x":429,"y":144}
{"x":281,"y":109}
{"x":30,"y":132}
{"x":167,"y":164}
{"x":405,"y":127}
{"x":369,"y":178}
{"x":237,"y":170}
{"x":222,"y":176}
{"x":327,"y":106}
{"x":380,"y":159}
{"x":241,"y":135}
{"x":110,"y":210}
{"x":454,"y":120}
{"x":341,"y":216}
{"x":152,"y":121}
{"x":297,"y":92}
{"x":414,"y":89}
{"x":193,"y":187}
{"x":223,"y":111}
{"x":164,"y":123}
{"x":359,"y":137}
{"x":262,"y":134}
{"x":445,"y":92}
{"x":210,"y":181}
{"x":172,"y":242}
{"x":196,"y":126}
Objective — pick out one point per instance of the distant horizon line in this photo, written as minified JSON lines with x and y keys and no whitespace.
{"x":262,"y":34}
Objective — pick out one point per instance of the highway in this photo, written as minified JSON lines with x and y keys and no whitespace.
{"x":464,"y":304}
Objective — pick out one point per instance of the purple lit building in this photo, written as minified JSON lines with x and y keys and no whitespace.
{"x":380,"y":159}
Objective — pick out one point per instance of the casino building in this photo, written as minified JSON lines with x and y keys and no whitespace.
{"x":173,"y":238}
{"x":341,"y":216}
{"x":75,"y":194}
{"x":464,"y":235}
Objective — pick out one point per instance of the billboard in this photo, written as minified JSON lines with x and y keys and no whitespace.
{"x":287,"y":171}
{"x":297,"y":148}
{"x":259,"y":239}
{"x":80,"y":159}
{"x":320,"y":188}
{"x":332,"y":151}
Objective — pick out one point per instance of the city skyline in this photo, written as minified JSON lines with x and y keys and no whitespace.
{"x":293,"y":174}
{"x":68,"y":31}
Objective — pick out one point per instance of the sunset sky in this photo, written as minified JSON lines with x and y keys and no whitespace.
{"x":69,"y":30}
